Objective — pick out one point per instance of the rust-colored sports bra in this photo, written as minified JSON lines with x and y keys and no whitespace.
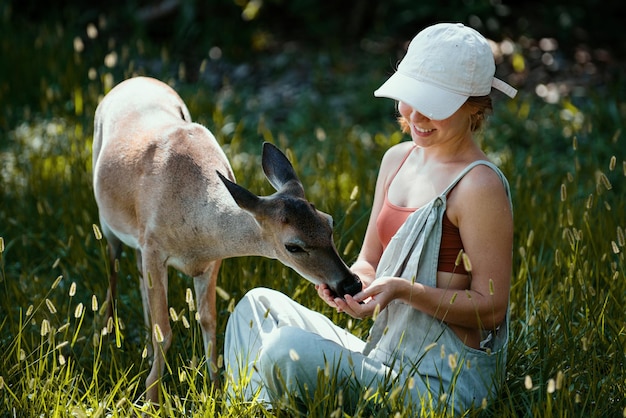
{"x":391,"y":218}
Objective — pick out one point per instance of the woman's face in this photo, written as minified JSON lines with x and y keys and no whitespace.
{"x":427,"y":132}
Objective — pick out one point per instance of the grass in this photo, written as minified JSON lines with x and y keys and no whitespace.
{"x":565,"y":163}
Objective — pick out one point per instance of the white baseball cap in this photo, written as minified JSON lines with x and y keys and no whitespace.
{"x":445,"y":64}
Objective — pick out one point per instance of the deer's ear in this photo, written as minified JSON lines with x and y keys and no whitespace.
{"x":244,"y":198}
{"x":279,"y":170}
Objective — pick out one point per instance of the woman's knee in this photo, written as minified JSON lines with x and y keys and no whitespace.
{"x":258,"y":293}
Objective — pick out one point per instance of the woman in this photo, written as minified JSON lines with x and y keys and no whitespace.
{"x":435,"y":262}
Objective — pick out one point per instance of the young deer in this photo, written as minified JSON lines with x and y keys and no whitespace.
{"x":159,"y":187}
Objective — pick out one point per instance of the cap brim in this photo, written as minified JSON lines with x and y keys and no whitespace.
{"x":431,"y":101}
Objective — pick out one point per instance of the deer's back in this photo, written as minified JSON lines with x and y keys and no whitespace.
{"x":154,"y":169}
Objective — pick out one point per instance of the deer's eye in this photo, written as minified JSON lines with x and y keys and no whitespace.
{"x":292,"y":248}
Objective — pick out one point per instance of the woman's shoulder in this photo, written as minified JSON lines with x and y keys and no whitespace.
{"x":395,"y":154}
{"x":481,"y":181}
{"x":393,"y":158}
{"x":482,"y":193}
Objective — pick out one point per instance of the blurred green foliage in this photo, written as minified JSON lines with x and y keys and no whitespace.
{"x":234,"y":25}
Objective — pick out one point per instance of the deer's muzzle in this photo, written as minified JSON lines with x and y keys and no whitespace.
{"x":350,"y":286}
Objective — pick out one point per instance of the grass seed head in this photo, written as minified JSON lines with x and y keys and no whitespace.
{"x":615,"y":247}
{"x":158,"y":334}
{"x":110,"y":325}
{"x":348,"y":248}
{"x":528,"y":382}
{"x":560,"y":376}
{"x":120,"y":403}
{"x":605,"y":181}
{"x":51,"y":306}
{"x":189,"y":300}
{"x":453,"y":298}
{"x":61,"y":345}
{"x":222,"y":293}
{"x":45,"y":327}
{"x":173,"y":314}
{"x":570,"y":217}
{"x":459,"y":258}
{"x":467,"y":263}
{"x":376,"y":312}
{"x":56,"y":282}
{"x":78,"y":312}
{"x":452,"y":361}
{"x":530,"y":238}
{"x":354,"y":193}
{"x":430,"y":347}
{"x":96,"y":232}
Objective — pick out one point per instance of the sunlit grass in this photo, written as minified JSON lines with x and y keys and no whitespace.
{"x":60,"y":357}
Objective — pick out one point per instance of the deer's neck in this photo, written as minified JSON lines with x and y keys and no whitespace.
{"x":246,"y":236}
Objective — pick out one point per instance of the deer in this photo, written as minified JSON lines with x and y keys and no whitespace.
{"x":165,"y":188}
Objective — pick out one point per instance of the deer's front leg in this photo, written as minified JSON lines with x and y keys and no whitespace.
{"x":114,"y":246}
{"x":155,"y":289}
{"x":205,"y":294}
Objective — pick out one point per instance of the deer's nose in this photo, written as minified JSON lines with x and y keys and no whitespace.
{"x":350,"y":286}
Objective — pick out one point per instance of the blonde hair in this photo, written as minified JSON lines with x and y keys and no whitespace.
{"x":478,"y":107}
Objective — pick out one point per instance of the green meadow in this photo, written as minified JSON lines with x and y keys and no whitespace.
{"x":565,"y":160}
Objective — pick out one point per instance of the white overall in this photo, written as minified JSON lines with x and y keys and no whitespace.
{"x":274,"y":345}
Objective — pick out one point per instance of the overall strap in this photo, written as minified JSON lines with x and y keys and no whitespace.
{"x":468,"y":168}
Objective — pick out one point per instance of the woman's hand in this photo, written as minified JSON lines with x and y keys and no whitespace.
{"x":324,"y":292}
{"x":362,"y":269}
{"x":373,"y":298}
